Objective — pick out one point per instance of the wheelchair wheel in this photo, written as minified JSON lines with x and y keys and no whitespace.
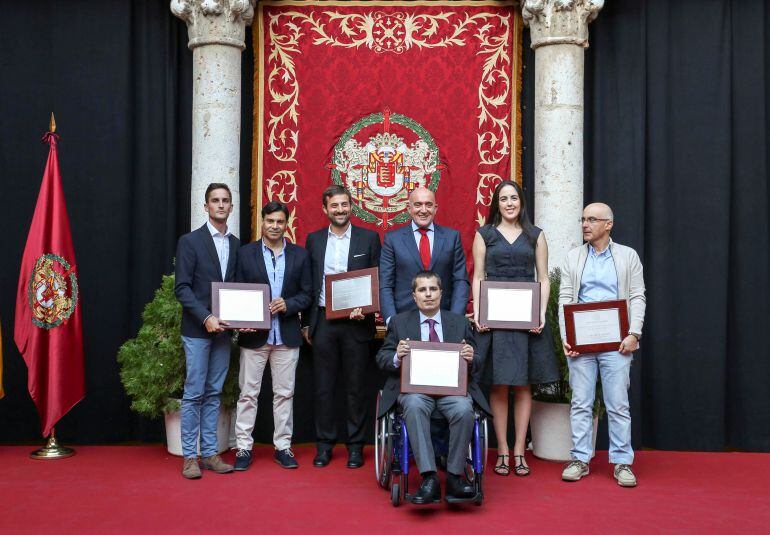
{"x":383,"y":448}
{"x":395,"y":494}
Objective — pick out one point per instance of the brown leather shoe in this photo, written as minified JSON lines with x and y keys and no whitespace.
{"x":216,"y":464}
{"x":191,"y":470}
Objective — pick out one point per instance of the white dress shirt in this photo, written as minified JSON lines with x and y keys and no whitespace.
{"x":222,"y":244}
{"x":336,"y":258}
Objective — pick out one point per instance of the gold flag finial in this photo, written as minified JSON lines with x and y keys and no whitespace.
{"x":52,"y":124}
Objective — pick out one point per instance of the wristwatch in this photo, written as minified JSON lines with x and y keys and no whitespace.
{"x":635,"y":335}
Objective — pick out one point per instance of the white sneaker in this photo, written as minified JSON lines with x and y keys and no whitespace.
{"x":625,"y":475}
{"x":574,"y":471}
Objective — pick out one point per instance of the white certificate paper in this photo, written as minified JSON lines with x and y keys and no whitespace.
{"x":352,"y":293}
{"x":431,"y":367}
{"x":597,"y":326}
{"x":241,"y":305}
{"x":509,"y":304}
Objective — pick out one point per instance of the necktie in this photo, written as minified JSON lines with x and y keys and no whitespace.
{"x":432,"y":334}
{"x":424,"y":248}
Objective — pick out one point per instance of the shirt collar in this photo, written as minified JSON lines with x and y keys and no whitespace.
{"x":606,"y":252}
{"x":423,"y":317}
{"x":347,"y":233}
{"x":415,"y":228}
{"x":215,"y":232}
{"x":265,"y":248}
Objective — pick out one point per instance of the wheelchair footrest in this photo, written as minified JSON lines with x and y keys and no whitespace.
{"x":475,"y":499}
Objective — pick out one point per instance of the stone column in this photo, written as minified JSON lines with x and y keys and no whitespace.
{"x":216,"y":29}
{"x":559,"y":33}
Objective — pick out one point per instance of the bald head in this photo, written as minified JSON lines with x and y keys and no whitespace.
{"x":422,"y":206}
{"x":603,"y":210}
{"x":597,"y":223}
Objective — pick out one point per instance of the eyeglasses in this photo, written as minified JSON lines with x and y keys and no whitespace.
{"x":592,"y":220}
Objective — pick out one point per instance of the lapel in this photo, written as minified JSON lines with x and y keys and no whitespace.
{"x":409,"y":243}
{"x":355,"y":237}
{"x":439,"y":242}
{"x":288,"y":259}
{"x":449,"y":328}
{"x":259,"y":260}
{"x":413,"y":326}
{"x":231,"y":257}
{"x":320,"y":255}
{"x":208,"y":242}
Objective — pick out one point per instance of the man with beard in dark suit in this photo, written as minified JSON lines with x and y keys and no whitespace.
{"x":340,"y":347}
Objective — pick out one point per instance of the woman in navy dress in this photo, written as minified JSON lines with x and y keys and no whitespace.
{"x":510,"y":248}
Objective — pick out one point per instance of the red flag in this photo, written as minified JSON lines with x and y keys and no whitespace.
{"x":48,"y":329}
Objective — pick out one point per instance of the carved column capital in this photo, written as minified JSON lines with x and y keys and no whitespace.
{"x":215,"y":22}
{"x":554,"y":22}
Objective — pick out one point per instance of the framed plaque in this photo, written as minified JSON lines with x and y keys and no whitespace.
{"x":509,"y":305}
{"x":350,"y":290}
{"x":596,"y":327}
{"x":241,"y":305}
{"x":434,"y":368}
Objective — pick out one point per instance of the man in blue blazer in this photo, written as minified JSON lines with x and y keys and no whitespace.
{"x":418,"y":246}
{"x":285,"y":267}
{"x":204,"y":256}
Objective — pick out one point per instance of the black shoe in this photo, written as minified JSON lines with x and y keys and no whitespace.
{"x":429,"y":492}
{"x":286,"y":458}
{"x":355,"y":458}
{"x":322,"y":458}
{"x":242,"y":460}
{"x":458,"y":488}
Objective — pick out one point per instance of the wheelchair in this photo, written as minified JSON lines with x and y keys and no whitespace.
{"x":392,"y":454}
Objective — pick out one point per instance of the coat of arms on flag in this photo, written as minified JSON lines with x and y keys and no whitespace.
{"x":382,"y":97}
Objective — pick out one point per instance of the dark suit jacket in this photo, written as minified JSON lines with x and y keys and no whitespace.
{"x":364,"y":253}
{"x":400,"y":262}
{"x":197,"y":266}
{"x":407,"y":325}
{"x":296,"y":290}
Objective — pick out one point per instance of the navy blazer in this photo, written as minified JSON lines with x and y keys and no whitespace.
{"x":296,"y":290}
{"x":400,"y":262}
{"x":364,"y":253}
{"x":407,"y":325}
{"x":197,"y":266}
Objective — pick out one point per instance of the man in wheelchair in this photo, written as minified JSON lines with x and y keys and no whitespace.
{"x":431,"y":324}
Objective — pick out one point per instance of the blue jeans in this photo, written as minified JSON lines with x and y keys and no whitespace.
{"x":207,"y":363}
{"x":614,"y":369}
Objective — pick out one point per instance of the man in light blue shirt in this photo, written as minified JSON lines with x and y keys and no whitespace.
{"x":602,"y":270}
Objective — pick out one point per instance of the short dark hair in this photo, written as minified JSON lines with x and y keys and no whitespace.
{"x":275,"y":206}
{"x":335,"y":189}
{"x":425,"y":274}
{"x":217,"y":185}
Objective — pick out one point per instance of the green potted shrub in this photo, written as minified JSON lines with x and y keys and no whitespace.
{"x":152,"y":369}
{"x":550,"y":424}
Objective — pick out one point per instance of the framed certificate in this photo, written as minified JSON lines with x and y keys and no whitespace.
{"x":509,"y":305}
{"x":241,"y":305}
{"x":433,"y":368}
{"x":596,"y":327}
{"x":351,"y":290}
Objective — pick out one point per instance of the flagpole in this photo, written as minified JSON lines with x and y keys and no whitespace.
{"x":52,"y":449}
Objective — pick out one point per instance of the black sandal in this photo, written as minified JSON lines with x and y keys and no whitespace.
{"x":502,"y":469}
{"x":520,"y":469}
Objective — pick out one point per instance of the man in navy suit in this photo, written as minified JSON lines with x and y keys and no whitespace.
{"x":285,"y":267}
{"x":204,"y":256}
{"x":422,"y":245}
{"x":340,"y":346}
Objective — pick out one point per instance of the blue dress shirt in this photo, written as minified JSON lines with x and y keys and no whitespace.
{"x":600,"y":278}
{"x":275,"y":265}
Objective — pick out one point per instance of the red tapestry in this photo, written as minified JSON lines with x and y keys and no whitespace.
{"x":383,"y":97}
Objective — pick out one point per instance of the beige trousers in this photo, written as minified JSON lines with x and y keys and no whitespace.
{"x":283,"y":365}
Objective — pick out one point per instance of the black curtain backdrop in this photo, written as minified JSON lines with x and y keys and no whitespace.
{"x":676,"y":140}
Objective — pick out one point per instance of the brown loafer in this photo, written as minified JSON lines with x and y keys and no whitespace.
{"x":191,"y":470}
{"x":216,"y":464}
